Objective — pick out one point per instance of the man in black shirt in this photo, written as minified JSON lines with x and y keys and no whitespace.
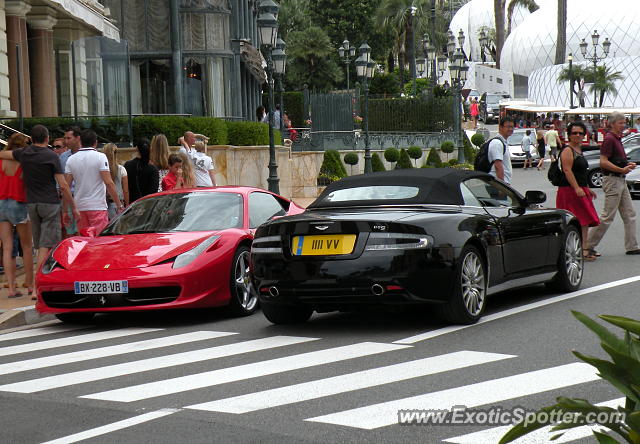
{"x":42,"y":172}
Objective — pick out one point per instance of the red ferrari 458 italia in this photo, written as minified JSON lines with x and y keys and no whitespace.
{"x":177,"y":249}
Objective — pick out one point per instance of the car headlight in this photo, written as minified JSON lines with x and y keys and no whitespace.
{"x":187,"y":257}
{"x":50,"y":264}
{"x":398,"y":241}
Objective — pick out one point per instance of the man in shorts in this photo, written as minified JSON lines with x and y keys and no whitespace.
{"x":42,"y":171}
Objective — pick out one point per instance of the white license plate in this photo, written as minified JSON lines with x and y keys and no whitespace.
{"x":101,"y":287}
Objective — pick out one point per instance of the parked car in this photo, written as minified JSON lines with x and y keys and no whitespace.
{"x":177,"y":249}
{"x":594,"y":172}
{"x":515,"y":146}
{"x":490,"y":107}
{"x":439,"y":236}
{"x":633,"y":183}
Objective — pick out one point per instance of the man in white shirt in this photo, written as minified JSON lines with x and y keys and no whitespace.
{"x":90,"y":171}
{"x":526,"y":148}
{"x":499,"y":154}
{"x":203,"y":166}
{"x":186,"y":144}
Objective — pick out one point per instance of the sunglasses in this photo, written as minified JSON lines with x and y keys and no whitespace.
{"x":577,"y":133}
{"x":57,"y":146}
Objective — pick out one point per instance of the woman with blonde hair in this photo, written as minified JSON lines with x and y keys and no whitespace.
{"x":119,"y":177}
{"x":159,"y":156}
{"x":13,"y":212}
{"x":188,"y":176}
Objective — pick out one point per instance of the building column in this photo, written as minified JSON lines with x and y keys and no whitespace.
{"x":5,"y":90}
{"x":176,"y":61}
{"x":16,"y":12}
{"x":42,"y":62}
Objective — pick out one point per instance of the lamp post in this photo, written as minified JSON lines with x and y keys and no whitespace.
{"x":412,"y":14}
{"x":429,"y":52}
{"x":606,"y":46}
{"x":280,"y":67}
{"x":459,"y":70}
{"x":347,"y":53}
{"x":268,"y":31}
{"x":364,"y":68}
{"x":570,"y":58}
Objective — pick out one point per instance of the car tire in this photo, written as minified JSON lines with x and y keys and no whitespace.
{"x":595,"y":178}
{"x":282,"y":314}
{"x":243,"y":300}
{"x":76,"y":318}
{"x":469,"y":295}
{"x":570,"y":263}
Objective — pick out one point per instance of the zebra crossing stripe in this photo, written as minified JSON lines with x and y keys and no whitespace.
{"x":127,"y":368}
{"x":349,"y":382}
{"x":74,"y":340}
{"x":541,"y":436}
{"x":482,"y":393}
{"x":243,"y":372}
{"x":113,"y":350}
{"x":31,"y":332}
{"x":98,"y":431}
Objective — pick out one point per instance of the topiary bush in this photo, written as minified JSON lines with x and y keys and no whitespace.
{"x":351,"y":159}
{"x":477,"y":139}
{"x":332,"y":168}
{"x":376,"y":163}
{"x":469,"y":151}
{"x":447,"y":147}
{"x":415,"y":152}
{"x":404,"y":162}
{"x":433,"y":159}
{"x":391,"y":155}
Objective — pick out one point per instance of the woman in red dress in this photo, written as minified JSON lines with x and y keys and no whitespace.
{"x":574,"y":194}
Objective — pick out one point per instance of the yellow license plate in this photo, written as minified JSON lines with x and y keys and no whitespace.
{"x":323,"y":245}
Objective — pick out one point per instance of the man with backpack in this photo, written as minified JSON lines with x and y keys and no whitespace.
{"x":494,"y":156}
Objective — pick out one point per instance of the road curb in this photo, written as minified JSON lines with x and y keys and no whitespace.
{"x":22,"y":316}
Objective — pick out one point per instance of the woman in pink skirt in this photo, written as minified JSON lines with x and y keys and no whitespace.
{"x":574,"y":194}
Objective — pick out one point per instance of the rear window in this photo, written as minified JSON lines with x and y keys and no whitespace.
{"x":395,"y":192}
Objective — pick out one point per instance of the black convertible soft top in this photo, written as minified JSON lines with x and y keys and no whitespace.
{"x":440,"y":186}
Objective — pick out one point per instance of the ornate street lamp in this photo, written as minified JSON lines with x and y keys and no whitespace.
{"x":412,"y":13}
{"x":280,"y":67}
{"x":365,"y":70}
{"x":595,"y":58}
{"x":268,"y":32}
{"x":347,"y":53}
{"x":459,"y":71}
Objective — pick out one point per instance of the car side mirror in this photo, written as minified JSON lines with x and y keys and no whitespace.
{"x":535,"y":197}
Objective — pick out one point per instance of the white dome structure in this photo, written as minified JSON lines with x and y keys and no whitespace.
{"x":618,"y":20}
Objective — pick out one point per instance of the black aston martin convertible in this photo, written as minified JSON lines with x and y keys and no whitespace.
{"x":445,"y":237}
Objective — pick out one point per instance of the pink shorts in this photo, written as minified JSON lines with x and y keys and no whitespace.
{"x":95,"y":219}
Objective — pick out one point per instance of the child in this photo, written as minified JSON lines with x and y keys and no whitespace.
{"x":173,"y":180}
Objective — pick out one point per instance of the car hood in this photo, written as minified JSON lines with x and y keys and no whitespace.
{"x":122,"y":252}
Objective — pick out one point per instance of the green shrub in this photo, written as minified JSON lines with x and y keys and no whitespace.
{"x":477,"y":139}
{"x":351,"y":159}
{"x":433,"y":159}
{"x":391,"y":154}
{"x":332,"y":168}
{"x":469,"y":151}
{"x":250,"y":134}
{"x":404,"y":162}
{"x":447,"y":147}
{"x":376,"y":163}
{"x":411,"y":115}
{"x":415,"y":152}
{"x":453,"y":162}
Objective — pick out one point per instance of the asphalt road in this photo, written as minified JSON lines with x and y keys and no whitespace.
{"x":201,"y":377}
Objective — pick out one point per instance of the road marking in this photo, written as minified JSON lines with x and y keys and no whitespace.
{"x":127,"y":368}
{"x":114,"y":350}
{"x":113,"y":427}
{"x":541,"y":436}
{"x":29,"y":333}
{"x":74,"y":340}
{"x":503,"y":314}
{"x":349,"y":382}
{"x":487,"y":392}
{"x":243,"y":372}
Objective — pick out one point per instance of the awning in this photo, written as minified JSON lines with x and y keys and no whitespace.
{"x":537,"y":108}
{"x":603,"y":110}
{"x":254,"y":61}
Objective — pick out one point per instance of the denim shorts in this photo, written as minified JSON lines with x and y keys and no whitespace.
{"x":13,"y":212}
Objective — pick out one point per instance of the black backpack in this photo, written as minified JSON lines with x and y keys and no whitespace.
{"x":555,"y":174}
{"x":482,"y":158}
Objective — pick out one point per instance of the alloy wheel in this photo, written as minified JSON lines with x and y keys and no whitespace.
{"x":596,"y":179}
{"x":573,"y":260}
{"x":473,"y":283}
{"x":244,"y":288}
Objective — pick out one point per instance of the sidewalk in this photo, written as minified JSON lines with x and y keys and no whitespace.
{"x":18,"y":311}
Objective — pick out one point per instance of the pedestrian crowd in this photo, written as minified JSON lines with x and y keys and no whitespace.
{"x":51,"y":190}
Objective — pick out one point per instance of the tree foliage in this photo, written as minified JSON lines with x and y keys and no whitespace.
{"x":376,"y":163}
{"x":433,"y":159}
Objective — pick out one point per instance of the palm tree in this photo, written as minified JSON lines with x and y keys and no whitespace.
{"x":531,"y":5}
{"x":498,"y":12}
{"x":561,"y":36}
{"x":604,"y":82}
{"x":580,"y":75}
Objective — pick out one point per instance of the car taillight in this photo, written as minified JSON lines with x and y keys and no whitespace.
{"x":398,"y":241}
{"x":267,"y":245}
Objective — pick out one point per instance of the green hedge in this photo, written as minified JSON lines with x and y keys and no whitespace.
{"x":332,"y":168}
{"x":116,"y":129}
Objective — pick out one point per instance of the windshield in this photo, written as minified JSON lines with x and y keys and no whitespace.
{"x":515,"y":139}
{"x":494,"y":100}
{"x":180,"y":212}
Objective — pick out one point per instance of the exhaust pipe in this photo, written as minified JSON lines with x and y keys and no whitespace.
{"x":274,"y":292}
{"x":377,"y":289}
